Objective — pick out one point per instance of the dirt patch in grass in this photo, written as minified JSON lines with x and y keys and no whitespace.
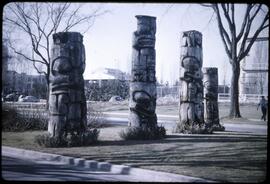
{"x":221,"y":157}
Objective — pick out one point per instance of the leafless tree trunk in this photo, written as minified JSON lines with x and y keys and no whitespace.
{"x":38,"y":21}
{"x":225,"y":13}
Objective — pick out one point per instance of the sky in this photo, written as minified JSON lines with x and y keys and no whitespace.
{"x":108,"y":43}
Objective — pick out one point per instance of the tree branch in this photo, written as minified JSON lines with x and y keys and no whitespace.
{"x":207,"y":5}
{"x":26,"y":57}
{"x":244,"y":23}
{"x":232,"y":15}
{"x":256,"y":12}
{"x":222,"y":31}
{"x":38,"y":21}
{"x":34,"y":64}
{"x":82,"y":19}
{"x":243,"y":52}
{"x":225,"y":10}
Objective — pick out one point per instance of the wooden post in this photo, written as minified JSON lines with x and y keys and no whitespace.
{"x":191,"y":108}
{"x":143,"y":94}
{"x":211,"y":112}
{"x":67,"y":103}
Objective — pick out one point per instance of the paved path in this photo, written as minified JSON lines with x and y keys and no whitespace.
{"x":25,"y":170}
{"x":168,"y":121}
{"x":27,"y":165}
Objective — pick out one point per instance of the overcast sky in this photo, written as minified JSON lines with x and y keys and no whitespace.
{"x":108,"y":41}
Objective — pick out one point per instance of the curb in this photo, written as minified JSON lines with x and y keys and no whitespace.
{"x":92,"y":165}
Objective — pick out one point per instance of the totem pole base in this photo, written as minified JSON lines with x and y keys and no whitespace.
{"x":191,"y":110}
{"x":67,"y":124}
{"x":143,"y":93}
{"x":218,"y":127}
{"x":143,"y":133}
{"x":192,"y":128}
{"x":211,"y":112}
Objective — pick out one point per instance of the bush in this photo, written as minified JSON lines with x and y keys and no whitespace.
{"x":104,"y":90}
{"x":218,"y":127}
{"x":53,"y":142}
{"x":140,"y":133}
{"x":192,"y":128}
{"x":17,"y":122}
{"x":87,"y":138}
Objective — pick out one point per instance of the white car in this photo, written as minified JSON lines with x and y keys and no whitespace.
{"x":116,"y":99}
{"x":28,"y":99}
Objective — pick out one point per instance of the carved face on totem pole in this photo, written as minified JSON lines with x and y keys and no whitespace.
{"x":67,"y":103}
{"x":192,"y":39}
{"x":191,"y":96}
{"x":142,"y":86}
{"x":210,"y":82}
{"x":68,"y":62}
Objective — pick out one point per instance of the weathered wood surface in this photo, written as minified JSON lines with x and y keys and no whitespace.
{"x":142,"y":103}
{"x":191,"y":110}
{"x":211,"y":111}
{"x":67,"y":103}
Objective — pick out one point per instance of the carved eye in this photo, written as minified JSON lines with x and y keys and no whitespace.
{"x":61,"y":65}
{"x":184,"y":41}
{"x":141,"y":97}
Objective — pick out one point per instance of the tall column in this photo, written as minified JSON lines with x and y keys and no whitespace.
{"x":142,"y":103}
{"x":67,"y":102}
{"x":191,"y":86}
{"x":211,"y":113}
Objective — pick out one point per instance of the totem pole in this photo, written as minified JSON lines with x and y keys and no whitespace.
{"x":67,"y":102}
{"x":211,"y":114}
{"x":191,"y":86}
{"x":142,"y":103}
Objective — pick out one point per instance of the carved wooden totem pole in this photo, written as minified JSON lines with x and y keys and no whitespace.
{"x":67,"y":103}
{"x":211,"y":112}
{"x":142,"y":103}
{"x":191,"y":86}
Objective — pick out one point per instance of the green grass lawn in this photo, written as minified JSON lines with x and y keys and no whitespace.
{"x":223,"y":156}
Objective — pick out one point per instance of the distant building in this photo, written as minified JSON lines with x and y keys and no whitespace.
{"x":254,"y":69}
{"x":104,"y":83}
{"x":107,"y":74}
{"x":223,"y":89}
{"x":103,"y":75}
{"x":22,"y":83}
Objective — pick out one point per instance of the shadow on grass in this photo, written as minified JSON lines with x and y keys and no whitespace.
{"x":188,"y":139}
{"x":219,"y":157}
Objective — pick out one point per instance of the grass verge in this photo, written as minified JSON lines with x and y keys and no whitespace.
{"x":222,"y":156}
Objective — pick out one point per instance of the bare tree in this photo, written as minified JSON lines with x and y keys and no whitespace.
{"x":225,"y":14}
{"x":38,"y":21}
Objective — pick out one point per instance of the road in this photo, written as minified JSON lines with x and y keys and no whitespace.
{"x":26,"y":170}
{"x":169,"y":121}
